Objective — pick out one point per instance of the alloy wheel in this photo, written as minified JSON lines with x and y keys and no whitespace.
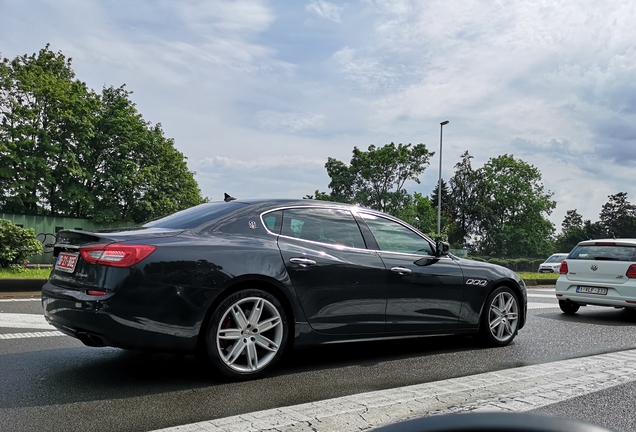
{"x":249,"y":335}
{"x":503,"y":316}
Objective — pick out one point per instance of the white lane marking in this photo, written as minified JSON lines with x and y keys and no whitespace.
{"x":24,"y":321}
{"x":31,"y":335}
{"x":542,"y":305}
{"x":518,"y":389}
{"x":20,"y":299}
{"x":553,"y":296}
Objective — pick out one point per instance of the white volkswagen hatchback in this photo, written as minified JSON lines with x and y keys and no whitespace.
{"x":598,"y":272}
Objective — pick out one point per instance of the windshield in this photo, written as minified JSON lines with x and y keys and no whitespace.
{"x":555,"y":259}
{"x":195,"y":216}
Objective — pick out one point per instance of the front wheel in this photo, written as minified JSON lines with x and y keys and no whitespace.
{"x":247,"y":334}
{"x":500,"y":317}
{"x":568,"y":307}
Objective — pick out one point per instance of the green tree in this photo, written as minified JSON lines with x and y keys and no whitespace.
{"x":618,"y":216}
{"x":462,"y":200}
{"x":68,"y":151}
{"x":46,"y":120}
{"x":418,"y":211}
{"x":572,"y":231}
{"x":375,"y":178}
{"x":137,"y":174}
{"x":511,"y":209}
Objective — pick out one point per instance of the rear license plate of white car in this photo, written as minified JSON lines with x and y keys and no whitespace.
{"x":591,"y":290}
{"x":66,"y":262}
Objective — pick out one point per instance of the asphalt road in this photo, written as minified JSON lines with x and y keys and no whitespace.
{"x":55,"y":383}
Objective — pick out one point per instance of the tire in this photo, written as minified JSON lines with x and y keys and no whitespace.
{"x":568,"y":307}
{"x":247,"y":334}
{"x":500,"y":317}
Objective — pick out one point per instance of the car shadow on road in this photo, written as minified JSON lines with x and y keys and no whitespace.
{"x":85,"y":374}
{"x":602,"y":316}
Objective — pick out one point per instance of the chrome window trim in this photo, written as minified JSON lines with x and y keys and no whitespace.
{"x":326,"y":207}
{"x":403,"y":224}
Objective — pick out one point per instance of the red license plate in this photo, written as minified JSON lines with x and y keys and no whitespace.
{"x":66,"y":262}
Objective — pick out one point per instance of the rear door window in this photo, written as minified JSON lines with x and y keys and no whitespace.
{"x":330,"y":226}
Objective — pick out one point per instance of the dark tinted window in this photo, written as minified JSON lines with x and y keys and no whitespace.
{"x":323,"y":225}
{"x":604,"y":252}
{"x":391,"y":236}
{"x":273,"y":221}
{"x":195,"y":216}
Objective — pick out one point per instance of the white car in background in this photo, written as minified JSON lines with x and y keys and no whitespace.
{"x":600,"y":273}
{"x":553,"y":263}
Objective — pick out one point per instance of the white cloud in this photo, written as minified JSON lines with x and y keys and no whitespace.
{"x":290,"y":122}
{"x":369,"y":73}
{"x":325,"y":10}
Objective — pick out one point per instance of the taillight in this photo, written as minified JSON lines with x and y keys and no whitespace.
{"x":631,"y":271}
{"x":116,"y":255}
{"x":96,"y":292}
{"x":564,"y":267}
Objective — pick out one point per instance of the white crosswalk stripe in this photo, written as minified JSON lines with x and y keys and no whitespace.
{"x":542,"y":305}
{"x":24,"y":321}
{"x":513,"y":390}
{"x":31,"y":335}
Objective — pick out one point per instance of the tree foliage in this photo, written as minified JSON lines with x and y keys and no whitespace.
{"x":512,"y":208}
{"x":501,"y":208}
{"x":462,"y":200}
{"x":617,"y":220}
{"x":65,"y":150}
{"x":375,"y":178}
{"x":16,"y":244}
{"x":418,"y":211}
{"x":618,"y":216}
{"x":574,"y":230}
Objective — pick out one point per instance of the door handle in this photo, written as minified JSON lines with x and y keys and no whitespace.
{"x":401,"y":270}
{"x":303,"y":262}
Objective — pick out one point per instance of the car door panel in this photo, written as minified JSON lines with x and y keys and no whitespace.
{"x":427,"y":297}
{"x":340,"y":284}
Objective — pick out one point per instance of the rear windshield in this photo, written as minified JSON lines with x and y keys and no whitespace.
{"x":604,"y":252}
{"x":195,"y":216}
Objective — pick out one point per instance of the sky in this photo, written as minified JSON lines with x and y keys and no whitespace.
{"x":258,"y":94}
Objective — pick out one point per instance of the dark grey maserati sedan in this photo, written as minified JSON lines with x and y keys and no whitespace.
{"x":240,"y":282}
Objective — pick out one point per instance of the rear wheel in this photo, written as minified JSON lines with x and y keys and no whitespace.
{"x":500,"y":317}
{"x":568,"y":307}
{"x":247,"y":334}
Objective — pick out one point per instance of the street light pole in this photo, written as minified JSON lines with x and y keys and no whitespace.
{"x":439,"y":180}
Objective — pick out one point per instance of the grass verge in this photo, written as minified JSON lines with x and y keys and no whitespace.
{"x":529,"y":275}
{"x":25,"y":273}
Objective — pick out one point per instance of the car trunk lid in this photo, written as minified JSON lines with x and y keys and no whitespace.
{"x":598,"y":271}
{"x":71,"y":271}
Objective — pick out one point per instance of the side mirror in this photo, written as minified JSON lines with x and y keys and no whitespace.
{"x":442,"y":248}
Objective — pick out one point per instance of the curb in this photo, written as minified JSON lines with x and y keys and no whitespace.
{"x":535,"y":282}
{"x":21,"y":285}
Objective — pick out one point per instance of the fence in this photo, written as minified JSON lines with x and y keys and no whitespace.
{"x":46,"y":228}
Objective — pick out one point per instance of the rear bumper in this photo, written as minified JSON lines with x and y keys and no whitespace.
{"x":617,"y":295}
{"x":125,"y":320}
